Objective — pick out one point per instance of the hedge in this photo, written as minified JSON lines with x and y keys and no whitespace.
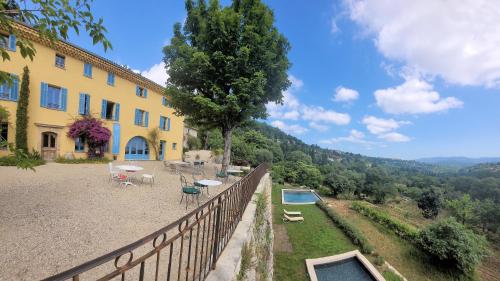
{"x":353,"y":233}
{"x":402,"y":230}
{"x":103,"y":160}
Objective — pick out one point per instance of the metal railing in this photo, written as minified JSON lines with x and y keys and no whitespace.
{"x":187,"y":249}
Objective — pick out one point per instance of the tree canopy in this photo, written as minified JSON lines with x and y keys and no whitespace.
{"x":225,"y":64}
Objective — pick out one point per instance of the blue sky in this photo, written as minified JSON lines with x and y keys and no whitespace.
{"x":404,"y":79}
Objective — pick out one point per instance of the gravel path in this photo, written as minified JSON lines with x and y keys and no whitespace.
{"x":63,"y":215}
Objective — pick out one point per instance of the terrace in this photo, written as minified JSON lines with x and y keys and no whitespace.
{"x":63,"y":215}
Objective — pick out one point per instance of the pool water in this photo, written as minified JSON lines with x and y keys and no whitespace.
{"x":350,"y":269}
{"x":299,"y":197}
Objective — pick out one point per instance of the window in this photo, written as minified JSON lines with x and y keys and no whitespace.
{"x":166,"y":102}
{"x":9,"y":91}
{"x":84,"y":106}
{"x":4,"y":133}
{"x":87,"y":70}
{"x":8,"y":42}
{"x":111,"y":79}
{"x":141,"y":92}
{"x":53,"y":97}
{"x":164,"y":123}
{"x":60,"y":61}
{"x":174,"y":146}
{"x":141,"y":118}
{"x":110,"y":110}
{"x":79,"y":144}
{"x":4,"y":41}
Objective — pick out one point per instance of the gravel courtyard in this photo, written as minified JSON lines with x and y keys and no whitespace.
{"x":64,"y":214}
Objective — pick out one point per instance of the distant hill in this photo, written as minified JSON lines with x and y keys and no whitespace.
{"x":459,"y":162}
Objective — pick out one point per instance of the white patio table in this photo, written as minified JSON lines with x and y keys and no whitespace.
{"x":129,"y":169}
{"x":208,"y":184}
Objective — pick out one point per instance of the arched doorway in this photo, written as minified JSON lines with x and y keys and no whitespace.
{"x":137,"y":149}
{"x":49,"y":145}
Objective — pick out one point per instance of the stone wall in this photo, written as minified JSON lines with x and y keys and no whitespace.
{"x":249,"y":253}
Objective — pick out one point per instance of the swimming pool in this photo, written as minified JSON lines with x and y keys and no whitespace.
{"x":350,"y":266}
{"x":298,"y":197}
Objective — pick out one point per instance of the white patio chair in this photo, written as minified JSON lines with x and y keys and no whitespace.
{"x":113,"y":173}
{"x":149,"y":177}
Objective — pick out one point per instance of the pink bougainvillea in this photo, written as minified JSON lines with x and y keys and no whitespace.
{"x":95,"y":135}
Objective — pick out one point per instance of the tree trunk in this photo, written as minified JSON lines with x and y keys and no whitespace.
{"x":226,"y":159}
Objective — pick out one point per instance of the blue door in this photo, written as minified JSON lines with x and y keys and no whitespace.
{"x":137,"y":149}
{"x":162,"y":151}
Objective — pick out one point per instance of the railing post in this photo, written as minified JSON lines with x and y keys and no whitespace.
{"x":215,"y":251}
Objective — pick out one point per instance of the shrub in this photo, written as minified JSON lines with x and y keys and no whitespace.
{"x":8,"y":161}
{"x":93,"y":132}
{"x":430,"y":203}
{"x":453,"y":244}
{"x":353,"y":233}
{"x":391,"y":276}
{"x":193,"y":143}
{"x":103,"y":160}
{"x":278,"y":173}
{"x":379,"y":260}
{"x":402,"y":230}
{"x":29,"y":161}
{"x":263,"y":156}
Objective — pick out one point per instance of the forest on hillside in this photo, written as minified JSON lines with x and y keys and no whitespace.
{"x":472,"y":194}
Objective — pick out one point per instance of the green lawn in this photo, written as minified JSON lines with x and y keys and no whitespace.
{"x":316,"y":237}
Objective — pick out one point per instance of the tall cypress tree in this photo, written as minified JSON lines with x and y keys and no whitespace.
{"x":22,"y":112}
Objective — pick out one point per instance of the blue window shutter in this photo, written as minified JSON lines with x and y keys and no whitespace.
{"x":87,"y":104}
{"x":12,"y":42}
{"x":137,"y":91}
{"x":44,"y":92}
{"x":146,"y":118}
{"x":64,"y":99}
{"x":14,"y":89}
{"x":85,"y":69}
{"x":136,"y":118}
{"x":145,"y":92}
{"x":103,"y":109}
{"x":168,"y":124}
{"x":90,"y":70}
{"x":162,"y":123}
{"x":116,"y":138}
{"x":164,"y":101}
{"x":81,"y":105}
{"x":117,"y":112}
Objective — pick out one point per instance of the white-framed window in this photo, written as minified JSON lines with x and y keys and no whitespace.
{"x":87,"y":70}
{"x":79,"y":144}
{"x":141,"y":117}
{"x":141,"y":92}
{"x":60,"y":61}
{"x":174,"y":146}
{"x":111,"y":78}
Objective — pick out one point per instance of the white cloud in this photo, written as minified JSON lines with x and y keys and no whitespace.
{"x":319,"y":127}
{"x":291,"y":129}
{"x":394,"y":137}
{"x":379,"y":125}
{"x":293,"y":109}
{"x":414,"y":96}
{"x":384,"y":128}
{"x":343,"y":94}
{"x":156,"y":73}
{"x":456,"y":41}
{"x":318,"y":114}
{"x":354,"y":136}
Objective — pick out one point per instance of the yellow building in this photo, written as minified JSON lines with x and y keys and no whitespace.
{"x":67,"y":83}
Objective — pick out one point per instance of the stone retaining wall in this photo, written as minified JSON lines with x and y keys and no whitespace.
{"x":252,"y":242}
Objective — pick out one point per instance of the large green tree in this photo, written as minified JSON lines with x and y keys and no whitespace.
{"x":53,"y":19}
{"x":225,"y":64}
{"x":22,"y":112}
